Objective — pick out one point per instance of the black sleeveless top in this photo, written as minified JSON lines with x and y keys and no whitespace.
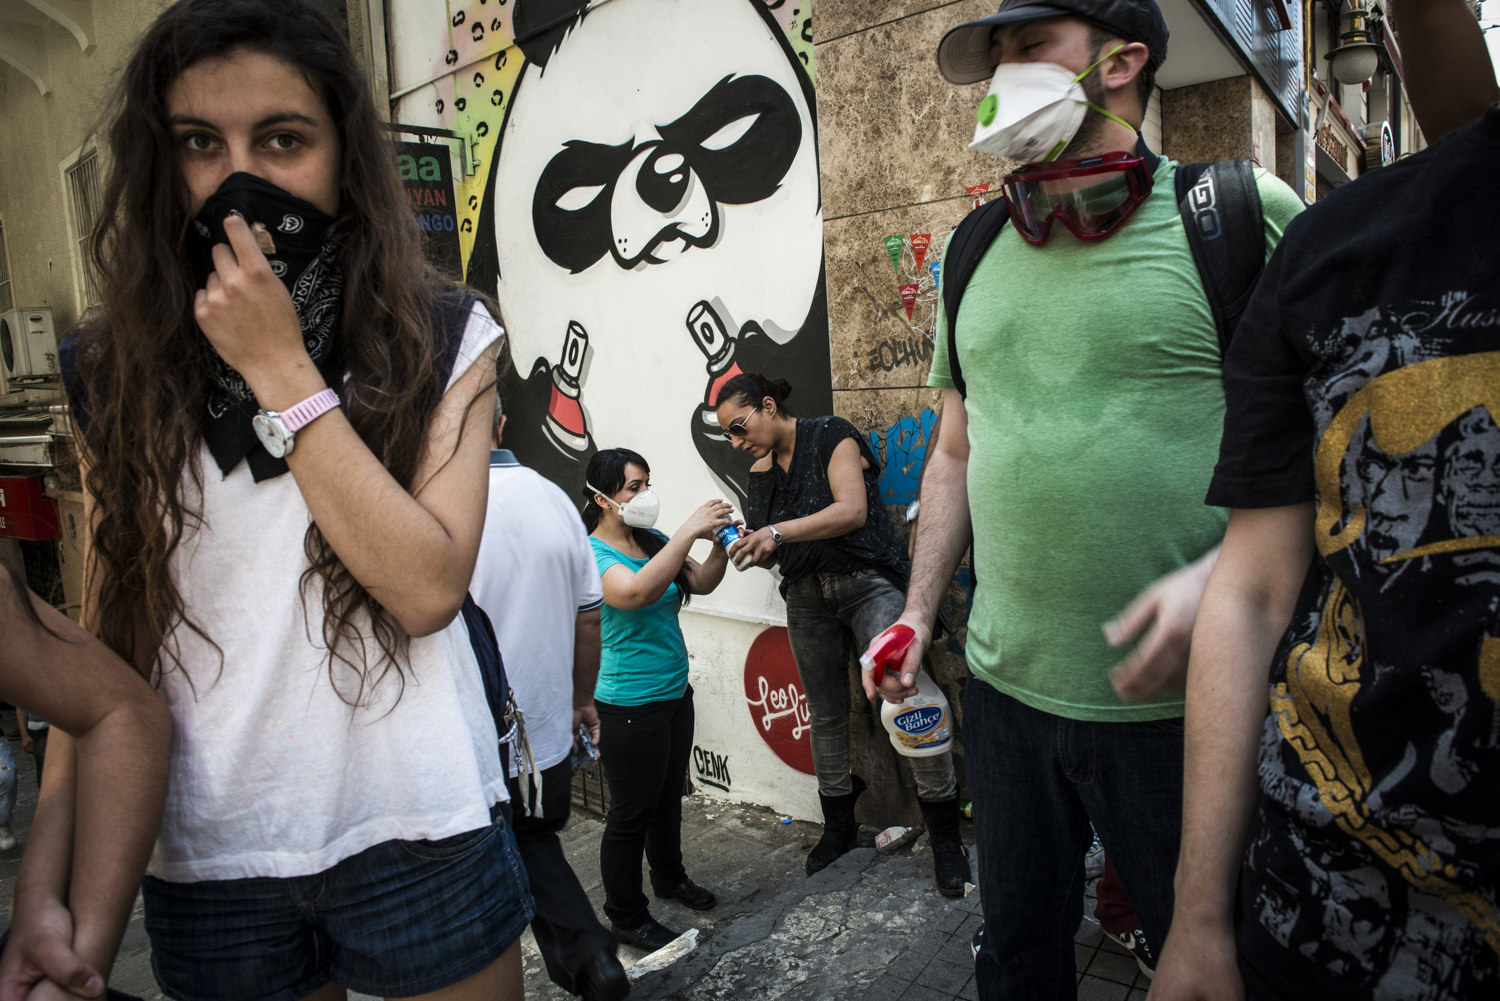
{"x":776,"y":495}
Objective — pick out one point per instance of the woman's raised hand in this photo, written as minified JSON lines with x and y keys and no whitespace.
{"x":713,"y":514}
{"x":245,"y":311}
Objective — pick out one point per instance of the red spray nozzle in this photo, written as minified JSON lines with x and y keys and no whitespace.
{"x":888,"y":649}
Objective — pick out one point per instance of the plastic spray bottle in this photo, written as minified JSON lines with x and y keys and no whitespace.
{"x":919,"y":726}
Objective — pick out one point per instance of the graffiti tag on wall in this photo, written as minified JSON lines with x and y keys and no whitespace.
{"x":712,"y":769}
{"x":902,"y":449}
{"x":773,"y":695}
{"x":891,"y":353}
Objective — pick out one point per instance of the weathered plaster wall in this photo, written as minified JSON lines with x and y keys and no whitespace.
{"x":39,"y":133}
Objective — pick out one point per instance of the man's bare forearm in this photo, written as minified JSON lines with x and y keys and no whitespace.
{"x":944,"y":536}
{"x":1448,"y":73}
{"x":944,"y":528}
{"x":121,"y":781}
{"x":49,"y":848}
{"x":586,"y":645}
{"x":1245,"y":608}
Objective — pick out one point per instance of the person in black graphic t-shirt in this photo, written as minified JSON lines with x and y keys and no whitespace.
{"x":815,"y":510}
{"x":1358,"y":591}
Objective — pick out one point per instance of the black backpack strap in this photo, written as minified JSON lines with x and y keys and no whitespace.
{"x":510,"y":722}
{"x":965,"y":247}
{"x":1220,"y":207}
{"x":450,"y":318}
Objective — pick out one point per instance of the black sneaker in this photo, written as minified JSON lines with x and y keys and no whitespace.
{"x":648,"y":935}
{"x":686,"y":892}
{"x":1134,"y":942}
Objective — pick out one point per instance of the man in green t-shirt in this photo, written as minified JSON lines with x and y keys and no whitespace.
{"x":1079,"y":454}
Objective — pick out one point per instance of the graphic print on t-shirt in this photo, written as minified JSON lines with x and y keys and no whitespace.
{"x":1385,"y":698}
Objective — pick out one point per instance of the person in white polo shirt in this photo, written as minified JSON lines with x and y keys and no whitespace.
{"x":536,"y":580}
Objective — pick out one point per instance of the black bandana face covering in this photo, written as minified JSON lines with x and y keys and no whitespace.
{"x":296,"y":246}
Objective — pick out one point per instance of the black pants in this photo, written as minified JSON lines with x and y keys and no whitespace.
{"x":39,"y":750}
{"x":645,"y":751}
{"x":567,"y":932}
{"x":1038,"y":780}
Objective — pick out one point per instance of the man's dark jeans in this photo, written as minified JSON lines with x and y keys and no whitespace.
{"x":567,"y":932}
{"x":1038,"y":780}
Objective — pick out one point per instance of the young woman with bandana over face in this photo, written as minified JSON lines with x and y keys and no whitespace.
{"x":284,"y":426}
{"x":815,"y":508}
{"x":644,"y":700}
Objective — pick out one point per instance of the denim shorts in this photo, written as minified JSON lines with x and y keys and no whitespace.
{"x":398,"y":919}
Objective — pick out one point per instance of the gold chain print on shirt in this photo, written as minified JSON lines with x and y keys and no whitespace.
{"x":1432,"y":424}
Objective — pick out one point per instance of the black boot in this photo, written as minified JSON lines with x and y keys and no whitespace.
{"x":950,"y":859}
{"x":839,"y":827}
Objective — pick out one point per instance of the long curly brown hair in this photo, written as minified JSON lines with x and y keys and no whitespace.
{"x":144,"y":367}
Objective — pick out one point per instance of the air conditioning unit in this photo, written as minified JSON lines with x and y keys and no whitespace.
{"x":28,"y":345}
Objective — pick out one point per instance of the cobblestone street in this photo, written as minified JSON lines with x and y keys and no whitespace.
{"x":870,"y":926}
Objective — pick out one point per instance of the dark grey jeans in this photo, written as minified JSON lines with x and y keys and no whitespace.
{"x":822,"y":610}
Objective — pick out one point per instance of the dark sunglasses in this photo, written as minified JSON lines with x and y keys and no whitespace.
{"x":736,"y":429}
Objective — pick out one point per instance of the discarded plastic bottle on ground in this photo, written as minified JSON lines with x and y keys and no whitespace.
{"x":919,"y":726}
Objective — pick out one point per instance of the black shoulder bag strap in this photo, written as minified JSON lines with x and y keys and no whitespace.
{"x":965,"y":247}
{"x":450,"y":318}
{"x":1220,"y":207}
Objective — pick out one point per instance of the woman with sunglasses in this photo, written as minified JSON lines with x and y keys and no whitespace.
{"x":644,"y":701}
{"x":815,"y":508}
{"x":284,"y":425}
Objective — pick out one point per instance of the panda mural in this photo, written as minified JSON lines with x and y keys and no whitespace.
{"x":651,"y":226}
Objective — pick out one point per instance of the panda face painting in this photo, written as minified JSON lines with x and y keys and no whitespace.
{"x":652,"y":227}
{"x":663,"y":155}
{"x":648,"y":201}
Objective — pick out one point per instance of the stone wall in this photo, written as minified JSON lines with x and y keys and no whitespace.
{"x":894,"y":137}
{"x":1228,"y":119}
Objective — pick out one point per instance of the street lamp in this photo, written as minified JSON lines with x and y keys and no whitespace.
{"x":1355,"y":60}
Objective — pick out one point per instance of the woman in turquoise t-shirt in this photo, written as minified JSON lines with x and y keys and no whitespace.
{"x":645,"y":703}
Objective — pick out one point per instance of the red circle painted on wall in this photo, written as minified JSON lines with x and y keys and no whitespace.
{"x":773,"y":694}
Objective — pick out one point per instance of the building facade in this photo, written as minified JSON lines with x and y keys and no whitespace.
{"x":662,"y":193}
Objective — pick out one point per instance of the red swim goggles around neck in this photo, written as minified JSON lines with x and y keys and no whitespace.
{"x":1093,"y":197}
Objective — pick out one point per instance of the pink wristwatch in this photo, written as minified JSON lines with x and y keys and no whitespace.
{"x":277,"y":431}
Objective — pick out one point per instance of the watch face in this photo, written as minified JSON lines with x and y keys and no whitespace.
{"x":272,"y":435}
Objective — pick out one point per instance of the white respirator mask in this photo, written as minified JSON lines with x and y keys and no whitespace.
{"x":1033,"y":110}
{"x":640,"y":511}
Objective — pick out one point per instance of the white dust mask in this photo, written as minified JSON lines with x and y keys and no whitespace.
{"x":640,"y":511}
{"x":1033,"y":110}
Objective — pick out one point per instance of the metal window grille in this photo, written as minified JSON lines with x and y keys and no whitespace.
{"x":590,"y":791}
{"x":85,"y":195}
{"x":7,"y":296}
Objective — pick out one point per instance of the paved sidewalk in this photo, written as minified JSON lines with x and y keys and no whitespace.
{"x":868,"y":927}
